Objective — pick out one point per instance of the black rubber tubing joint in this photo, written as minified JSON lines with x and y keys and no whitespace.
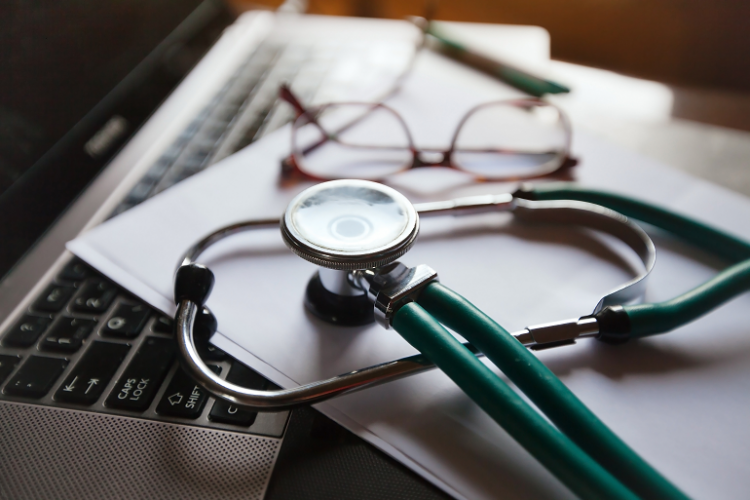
{"x":205,"y":325}
{"x":193,"y":282}
{"x":614,"y":325}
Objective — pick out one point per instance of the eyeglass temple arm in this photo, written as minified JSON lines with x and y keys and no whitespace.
{"x":286,"y":94}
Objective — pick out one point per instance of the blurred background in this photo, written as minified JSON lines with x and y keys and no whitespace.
{"x":667,"y":78}
{"x":700,"y":49}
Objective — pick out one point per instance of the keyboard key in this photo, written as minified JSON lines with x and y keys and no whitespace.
{"x":225,"y":412}
{"x":36,"y":377}
{"x":163,"y":324}
{"x":93,"y":372}
{"x":96,"y":296}
{"x":54,"y":298}
{"x":68,"y":334}
{"x":138,"y":385}
{"x":7,"y":363}
{"x":141,"y":190}
{"x":26,"y":332}
{"x":184,"y":397}
{"x":127,"y":321}
{"x":76,"y":270}
{"x":228,"y":413}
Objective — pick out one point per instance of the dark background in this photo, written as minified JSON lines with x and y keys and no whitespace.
{"x":699,"y":47}
{"x":59,"y":59}
{"x":70,"y":67}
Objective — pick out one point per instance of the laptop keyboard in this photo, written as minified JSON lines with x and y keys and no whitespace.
{"x":85,"y":343}
{"x":247,"y":107}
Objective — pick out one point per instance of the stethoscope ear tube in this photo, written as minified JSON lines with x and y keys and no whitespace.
{"x":617,"y":324}
{"x":193,"y":283}
{"x":600,"y":219}
{"x":712,"y":240}
{"x":652,"y":319}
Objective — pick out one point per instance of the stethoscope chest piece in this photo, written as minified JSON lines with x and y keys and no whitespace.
{"x":355,"y":230}
{"x":343,"y":226}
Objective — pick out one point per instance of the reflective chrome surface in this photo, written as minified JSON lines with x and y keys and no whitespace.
{"x":392,"y":286}
{"x":225,"y":232}
{"x":467,"y":206}
{"x":604,"y":220}
{"x":284,"y":398}
{"x":345,"y":383}
{"x":338,"y":282}
{"x":350,"y":224}
{"x":558,"y":333}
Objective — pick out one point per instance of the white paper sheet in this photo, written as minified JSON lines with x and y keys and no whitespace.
{"x":680,"y":400}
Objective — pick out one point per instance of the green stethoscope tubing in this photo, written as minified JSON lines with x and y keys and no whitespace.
{"x":574,"y":468}
{"x":547,"y":392}
{"x":417,"y":323}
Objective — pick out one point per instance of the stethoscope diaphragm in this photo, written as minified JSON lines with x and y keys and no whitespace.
{"x":350,"y":224}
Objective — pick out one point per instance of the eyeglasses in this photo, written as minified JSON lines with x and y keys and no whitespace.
{"x":497,"y":141}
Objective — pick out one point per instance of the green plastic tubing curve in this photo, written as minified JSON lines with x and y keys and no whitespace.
{"x":650,"y":319}
{"x":550,"y":395}
{"x":550,"y":447}
{"x":713,"y":240}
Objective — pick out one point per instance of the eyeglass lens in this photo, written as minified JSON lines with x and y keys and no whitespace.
{"x":505,"y":140}
{"x":362,"y":141}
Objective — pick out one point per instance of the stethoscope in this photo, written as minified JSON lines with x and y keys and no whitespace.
{"x":356,"y":230}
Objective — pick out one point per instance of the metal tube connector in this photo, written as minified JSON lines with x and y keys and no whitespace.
{"x":557,"y":334}
{"x":391,"y":286}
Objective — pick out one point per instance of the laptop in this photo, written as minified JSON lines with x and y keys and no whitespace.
{"x":118,"y":106}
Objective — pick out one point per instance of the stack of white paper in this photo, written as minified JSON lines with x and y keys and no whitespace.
{"x":680,"y":400}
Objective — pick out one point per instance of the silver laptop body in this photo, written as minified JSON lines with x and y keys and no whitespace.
{"x":87,"y":410}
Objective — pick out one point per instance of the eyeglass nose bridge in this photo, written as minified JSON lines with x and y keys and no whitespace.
{"x":431,"y":158}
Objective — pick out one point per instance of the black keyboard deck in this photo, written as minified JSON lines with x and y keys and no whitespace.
{"x":85,"y":343}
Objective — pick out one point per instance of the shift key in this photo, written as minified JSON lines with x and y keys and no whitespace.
{"x":142,"y":378}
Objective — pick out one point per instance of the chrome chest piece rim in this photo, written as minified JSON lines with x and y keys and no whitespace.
{"x":350,"y":224}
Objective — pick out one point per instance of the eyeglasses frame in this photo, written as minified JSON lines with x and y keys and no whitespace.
{"x":291,"y":166}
